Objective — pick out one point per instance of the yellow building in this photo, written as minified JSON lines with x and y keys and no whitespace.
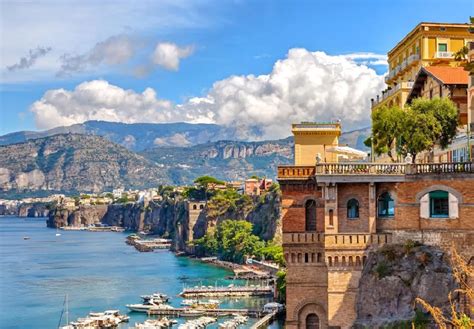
{"x":312,"y":139}
{"x":428,"y":44}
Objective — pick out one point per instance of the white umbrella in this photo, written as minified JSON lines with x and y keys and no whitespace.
{"x":346,"y":150}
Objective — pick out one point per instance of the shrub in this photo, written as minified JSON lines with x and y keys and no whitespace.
{"x":382,"y":270}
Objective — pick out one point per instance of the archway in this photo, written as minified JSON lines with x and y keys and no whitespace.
{"x":312,"y":321}
{"x":310,"y":215}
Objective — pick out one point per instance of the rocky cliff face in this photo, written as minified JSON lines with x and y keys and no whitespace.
{"x":394,"y":276}
{"x":74,"y":163}
{"x":170,"y":218}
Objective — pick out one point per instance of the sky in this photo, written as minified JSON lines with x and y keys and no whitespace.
{"x":254,"y":65}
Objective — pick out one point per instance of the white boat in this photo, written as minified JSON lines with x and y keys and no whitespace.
{"x":145,"y":307}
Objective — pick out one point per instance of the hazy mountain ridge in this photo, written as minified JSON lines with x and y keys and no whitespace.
{"x":87,"y":162}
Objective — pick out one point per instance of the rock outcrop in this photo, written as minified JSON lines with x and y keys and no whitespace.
{"x":394,"y":276}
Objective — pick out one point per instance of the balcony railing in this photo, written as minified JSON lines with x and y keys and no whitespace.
{"x":338,"y":239}
{"x":413,"y":58}
{"x":360,"y":169}
{"x":442,"y":168}
{"x":296,"y":172}
{"x":443,"y":54}
{"x":393,"y":169}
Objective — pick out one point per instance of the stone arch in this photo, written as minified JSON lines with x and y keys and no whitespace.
{"x":309,"y":306}
{"x":312,"y":321}
{"x":201,"y":206}
{"x":194,"y":207}
{"x":432,"y":188}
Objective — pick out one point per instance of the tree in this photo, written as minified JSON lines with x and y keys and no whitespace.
{"x":387,"y":124}
{"x":417,"y":128}
{"x":205,"y":182}
{"x":461,"y":54}
{"x":237,"y":241}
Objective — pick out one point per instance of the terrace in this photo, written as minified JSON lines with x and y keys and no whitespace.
{"x":375,"y":172}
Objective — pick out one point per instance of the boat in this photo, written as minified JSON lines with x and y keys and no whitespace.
{"x":156,"y":324}
{"x":106,"y":319}
{"x":26,"y":238}
{"x":146,"y":306}
{"x":157,"y":296}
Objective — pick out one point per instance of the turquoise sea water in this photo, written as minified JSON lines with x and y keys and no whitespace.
{"x":97,"y":271}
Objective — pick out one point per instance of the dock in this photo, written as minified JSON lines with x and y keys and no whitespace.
{"x":265,"y":321}
{"x":188,"y":312}
{"x":243,"y":291}
{"x":146,"y":245}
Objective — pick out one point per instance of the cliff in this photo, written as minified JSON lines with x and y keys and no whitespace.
{"x":170,"y":217}
{"x":74,"y":163}
{"x":394,"y":276}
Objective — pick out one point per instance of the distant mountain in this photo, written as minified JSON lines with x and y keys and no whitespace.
{"x":135,"y":136}
{"x":74,"y":162}
{"x":227,"y":160}
{"x":87,"y":162}
{"x":142,"y":136}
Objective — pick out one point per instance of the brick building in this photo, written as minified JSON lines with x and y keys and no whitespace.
{"x":335,"y":213}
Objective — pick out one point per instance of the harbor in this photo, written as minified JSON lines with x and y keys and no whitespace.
{"x":147,"y":244}
{"x":230,"y":291}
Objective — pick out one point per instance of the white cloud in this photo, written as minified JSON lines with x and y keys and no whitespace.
{"x":117,"y":49}
{"x":367,"y":58}
{"x":169,"y":55}
{"x":305,"y":86}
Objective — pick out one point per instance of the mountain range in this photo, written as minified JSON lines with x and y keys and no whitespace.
{"x":97,"y":156}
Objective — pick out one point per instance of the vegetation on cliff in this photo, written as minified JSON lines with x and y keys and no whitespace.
{"x":234,"y":241}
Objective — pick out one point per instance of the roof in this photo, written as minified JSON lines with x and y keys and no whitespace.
{"x":449,"y":75}
{"x":416,"y":28}
{"x":445,"y":75}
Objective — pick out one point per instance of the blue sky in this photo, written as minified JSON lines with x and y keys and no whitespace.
{"x":190,"y":50}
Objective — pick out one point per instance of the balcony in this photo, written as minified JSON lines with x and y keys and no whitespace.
{"x":384,"y":171}
{"x":406,"y":63}
{"x":443,"y":54}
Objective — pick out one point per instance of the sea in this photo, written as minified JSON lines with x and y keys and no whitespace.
{"x":97,"y":271}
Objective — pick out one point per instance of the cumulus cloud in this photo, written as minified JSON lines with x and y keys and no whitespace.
{"x":117,"y":49}
{"x":168,"y":55}
{"x":305,"y":86}
{"x":30,"y":59}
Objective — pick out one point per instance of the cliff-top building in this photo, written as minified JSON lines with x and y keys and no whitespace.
{"x":334,"y":213}
{"x":428,"y":44}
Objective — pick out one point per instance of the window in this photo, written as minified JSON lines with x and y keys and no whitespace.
{"x":459,"y":155}
{"x":439,"y":204}
{"x":442,"y":47}
{"x":386,"y":205}
{"x":352,"y":209}
{"x":331,"y":217}
{"x":312,"y":321}
{"x":310,"y":214}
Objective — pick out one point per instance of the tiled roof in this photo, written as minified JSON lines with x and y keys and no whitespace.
{"x":449,"y":75}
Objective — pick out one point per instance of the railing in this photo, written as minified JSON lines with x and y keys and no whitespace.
{"x":354,"y":239}
{"x":296,"y":172}
{"x":360,"y":169}
{"x":443,"y":168}
{"x":399,"y":68}
{"x":413,"y":58}
{"x":317,"y":125}
{"x":443,"y":54}
{"x":349,"y":168}
{"x":303,"y":237}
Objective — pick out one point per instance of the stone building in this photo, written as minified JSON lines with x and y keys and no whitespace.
{"x":335,"y":213}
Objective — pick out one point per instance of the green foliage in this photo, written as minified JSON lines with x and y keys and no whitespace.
{"x":236,"y":241}
{"x":273,"y":251}
{"x":382,"y":270}
{"x":194,"y":193}
{"x":421,"y":320}
{"x":166,"y":190}
{"x":281,"y":285}
{"x":123,"y":199}
{"x":207,"y":181}
{"x":417,"y":128}
{"x":208,"y":243}
{"x":461,"y":54}
{"x":109,"y":195}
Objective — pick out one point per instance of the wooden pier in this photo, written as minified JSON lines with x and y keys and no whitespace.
{"x":196,"y":312}
{"x":243,"y":291}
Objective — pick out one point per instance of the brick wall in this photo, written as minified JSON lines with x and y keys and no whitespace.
{"x":360,"y":192}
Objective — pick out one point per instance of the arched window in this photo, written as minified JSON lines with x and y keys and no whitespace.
{"x":312,"y":321}
{"x":352,"y":209}
{"x":201,"y":206}
{"x":310,"y":214}
{"x":385,"y":205}
{"x":331,"y":217}
{"x":439,"y":204}
{"x":194,"y":207}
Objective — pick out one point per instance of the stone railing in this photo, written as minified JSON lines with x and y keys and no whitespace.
{"x":339,"y":239}
{"x":393,"y":169}
{"x":296,"y":172}
{"x":360,"y":169}
{"x":356,"y":239}
{"x":317,"y":125}
{"x":443,"y":54}
{"x":441,"y":168}
{"x":306,"y":237}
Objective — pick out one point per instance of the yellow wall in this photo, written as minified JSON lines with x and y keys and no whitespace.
{"x":307,"y":146}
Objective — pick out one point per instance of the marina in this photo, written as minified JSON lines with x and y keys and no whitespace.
{"x":147,"y":245}
{"x":230,"y":291}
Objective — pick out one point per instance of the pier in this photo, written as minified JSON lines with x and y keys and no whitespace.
{"x":243,"y":291}
{"x":148,"y":244}
{"x":189,"y":312}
